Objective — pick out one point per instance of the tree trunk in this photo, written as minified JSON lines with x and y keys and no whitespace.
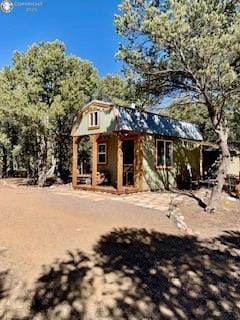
{"x":42,"y":161}
{"x":5,"y":160}
{"x":222,"y":171}
{"x":10,"y":165}
{"x":50,"y":170}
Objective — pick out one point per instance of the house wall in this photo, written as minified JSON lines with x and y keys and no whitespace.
{"x":111,"y":166}
{"x":184,"y":152}
{"x":107,"y":122}
{"x":234,"y":168}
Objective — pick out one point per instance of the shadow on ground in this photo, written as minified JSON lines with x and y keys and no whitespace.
{"x":4,"y":291}
{"x":137,"y":274}
{"x":192,"y":195}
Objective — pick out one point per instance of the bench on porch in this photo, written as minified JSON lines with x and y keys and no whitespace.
{"x":103,"y":178}
{"x":84,"y":179}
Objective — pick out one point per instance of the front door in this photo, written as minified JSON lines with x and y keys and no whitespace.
{"x":128,"y":162}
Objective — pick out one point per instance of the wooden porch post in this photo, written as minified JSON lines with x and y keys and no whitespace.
{"x":139,"y":162}
{"x":75,"y":142}
{"x":119,"y":165}
{"x":201,"y":161}
{"x":94,"y":159}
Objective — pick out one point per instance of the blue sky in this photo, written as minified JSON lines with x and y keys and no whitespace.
{"x":85,"y":26}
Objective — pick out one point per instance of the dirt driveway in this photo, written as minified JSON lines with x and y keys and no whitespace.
{"x":98,"y":248}
{"x":39,"y":225}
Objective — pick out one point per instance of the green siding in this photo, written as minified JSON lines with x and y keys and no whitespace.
{"x":107,"y":123}
{"x":184,"y":152}
{"x":111,"y":166}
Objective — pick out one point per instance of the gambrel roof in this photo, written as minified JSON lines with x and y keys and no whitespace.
{"x":117,"y":118}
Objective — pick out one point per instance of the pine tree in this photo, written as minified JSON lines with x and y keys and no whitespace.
{"x":187,"y":48}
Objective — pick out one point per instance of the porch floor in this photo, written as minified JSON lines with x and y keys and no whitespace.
{"x":107,"y":189}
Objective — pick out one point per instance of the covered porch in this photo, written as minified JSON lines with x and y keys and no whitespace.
{"x":116,"y":164}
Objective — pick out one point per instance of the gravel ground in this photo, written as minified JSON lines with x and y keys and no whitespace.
{"x":39,"y":226}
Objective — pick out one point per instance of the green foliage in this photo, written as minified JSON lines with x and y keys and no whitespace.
{"x":190,"y":49}
{"x":183,"y":47}
{"x":113,"y":89}
{"x":40,"y":96}
{"x":198,"y":114}
{"x":234,"y":120}
{"x":195,"y":113}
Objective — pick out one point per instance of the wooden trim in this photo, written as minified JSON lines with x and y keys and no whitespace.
{"x":156,"y":154}
{"x":138,"y":177}
{"x":106,"y":153}
{"x":127,"y":136}
{"x":201,"y":162}
{"x":95,"y":126}
{"x":75,"y":143}
{"x":141,"y":155}
{"x":135,"y":161}
{"x":96,"y":105}
{"x":93,"y":139}
{"x":119,"y":165}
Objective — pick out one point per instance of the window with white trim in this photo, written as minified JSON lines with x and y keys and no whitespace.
{"x":93,"y":119}
{"x":164,"y":153}
{"x":102,"y":153}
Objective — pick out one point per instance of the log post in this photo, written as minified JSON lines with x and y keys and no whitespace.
{"x":75,"y":142}
{"x":93,"y":139}
{"x":201,"y":161}
{"x":136,"y":161}
{"x":139,"y":162}
{"x":119,"y":165}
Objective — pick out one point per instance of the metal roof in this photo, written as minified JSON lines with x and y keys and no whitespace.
{"x":129,"y":119}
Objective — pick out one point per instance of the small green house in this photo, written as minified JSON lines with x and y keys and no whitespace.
{"x":135,"y":150}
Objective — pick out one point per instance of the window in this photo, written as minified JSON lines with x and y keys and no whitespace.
{"x":164,"y":153}
{"x":93,"y":119}
{"x":102,"y":153}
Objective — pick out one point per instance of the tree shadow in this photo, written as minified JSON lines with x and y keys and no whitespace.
{"x":173,"y":277}
{"x":231,"y":239}
{"x":192,"y":195}
{"x":58,"y":292}
{"x":4,"y":292}
{"x":140,"y":274}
